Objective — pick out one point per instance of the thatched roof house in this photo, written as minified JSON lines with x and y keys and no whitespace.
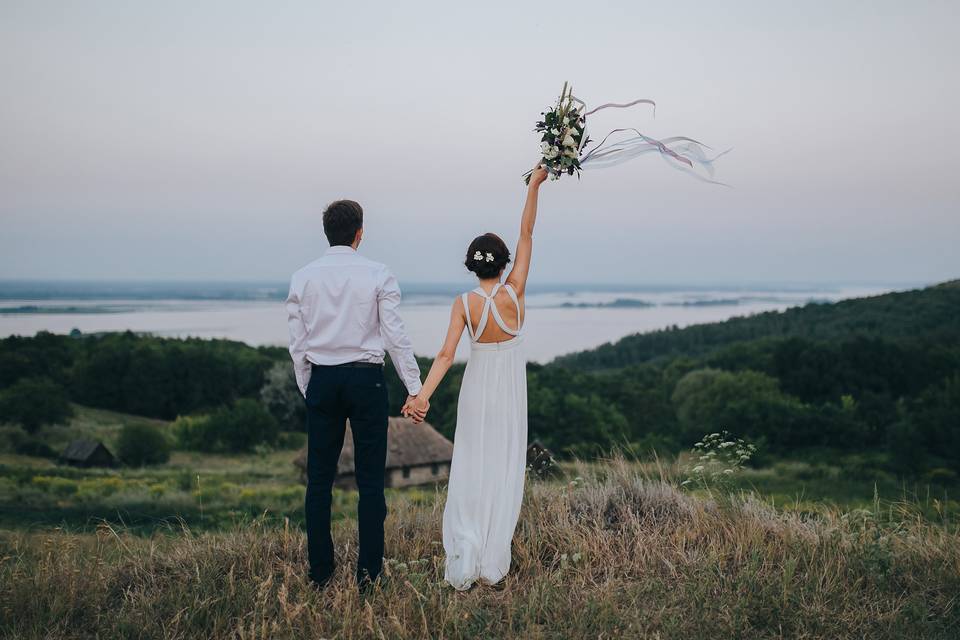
{"x":87,"y":453}
{"x":416,"y":454}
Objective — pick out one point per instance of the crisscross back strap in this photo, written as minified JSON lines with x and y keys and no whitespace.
{"x":496,"y":312}
{"x":490,"y":306}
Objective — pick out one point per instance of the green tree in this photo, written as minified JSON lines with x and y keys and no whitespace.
{"x":744,"y":402}
{"x":142,"y":444}
{"x":34,"y":402}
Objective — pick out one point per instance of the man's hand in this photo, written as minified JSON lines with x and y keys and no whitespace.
{"x":416,"y":408}
{"x":538,"y":176}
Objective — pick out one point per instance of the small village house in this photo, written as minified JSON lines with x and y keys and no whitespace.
{"x":87,"y":453}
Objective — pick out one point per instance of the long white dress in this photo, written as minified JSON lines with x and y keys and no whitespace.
{"x":489,"y":453}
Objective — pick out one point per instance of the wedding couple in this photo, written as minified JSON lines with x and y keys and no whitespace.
{"x":343,"y":314}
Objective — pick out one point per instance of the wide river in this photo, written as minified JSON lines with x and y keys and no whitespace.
{"x":558,"y":321}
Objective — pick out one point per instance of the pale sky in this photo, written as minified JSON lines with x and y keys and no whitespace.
{"x":201,"y":140}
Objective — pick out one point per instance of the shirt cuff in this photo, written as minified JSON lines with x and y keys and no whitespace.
{"x":303,"y":379}
{"x":414,"y":388}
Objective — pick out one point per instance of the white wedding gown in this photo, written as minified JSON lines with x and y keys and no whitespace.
{"x":489,"y":454}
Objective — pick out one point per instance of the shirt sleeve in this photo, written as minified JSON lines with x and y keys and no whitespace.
{"x":298,"y":335}
{"x":395,"y":338}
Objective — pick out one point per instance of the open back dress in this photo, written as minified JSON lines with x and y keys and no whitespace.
{"x":489,"y":452}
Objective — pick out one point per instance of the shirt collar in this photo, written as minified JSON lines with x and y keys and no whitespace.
{"x":340,"y":249}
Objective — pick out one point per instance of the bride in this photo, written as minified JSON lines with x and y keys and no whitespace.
{"x":490,"y":443}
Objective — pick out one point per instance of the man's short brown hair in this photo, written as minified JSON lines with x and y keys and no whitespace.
{"x":341,"y":221}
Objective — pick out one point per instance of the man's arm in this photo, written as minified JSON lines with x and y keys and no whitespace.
{"x":394,"y":336}
{"x":298,"y":336}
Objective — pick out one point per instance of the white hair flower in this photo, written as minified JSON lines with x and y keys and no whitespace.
{"x":477,"y":256}
{"x":489,"y":257}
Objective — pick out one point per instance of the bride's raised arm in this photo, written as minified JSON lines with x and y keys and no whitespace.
{"x":521,"y":260}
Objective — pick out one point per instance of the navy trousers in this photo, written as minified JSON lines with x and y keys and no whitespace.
{"x":334,"y":395}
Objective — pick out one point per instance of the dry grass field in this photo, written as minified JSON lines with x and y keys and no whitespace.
{"x":616,"y":553}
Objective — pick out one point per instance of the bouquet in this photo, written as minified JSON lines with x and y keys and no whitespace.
{"x":564,"y":140}
{"x":564,"y":130}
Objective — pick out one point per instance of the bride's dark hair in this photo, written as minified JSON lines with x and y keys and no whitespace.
{"x":493,"y":256}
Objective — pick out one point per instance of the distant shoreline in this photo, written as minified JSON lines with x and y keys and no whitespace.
{"x":42,"y":290}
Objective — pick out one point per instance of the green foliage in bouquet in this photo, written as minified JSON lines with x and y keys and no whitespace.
{"x":564,"y":136}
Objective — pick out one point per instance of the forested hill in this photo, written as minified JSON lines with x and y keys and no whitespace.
{"x":931,"y":314}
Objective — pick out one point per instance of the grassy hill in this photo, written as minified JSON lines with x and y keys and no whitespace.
{"x":613,"y":555}
{"x":932,"y":313}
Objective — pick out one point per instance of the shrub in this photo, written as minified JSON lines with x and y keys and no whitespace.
{"x":281,"y":396}
{"x":13,"y":439}
{"x":191,"y":433}
{"x":34,"y":402}
{"x":905,"y":444}
{"x":31,"y":446}
{"x":241,"y":427}
{"x":291,"y":440}
{"x":141,"y":444}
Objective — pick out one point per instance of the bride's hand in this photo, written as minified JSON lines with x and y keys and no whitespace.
{"x":416,"y":408}
{"x":538,"y":176}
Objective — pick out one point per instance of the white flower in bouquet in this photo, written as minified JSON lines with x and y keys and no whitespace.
{"x":568,"y":141}
{"x":551,"y":153}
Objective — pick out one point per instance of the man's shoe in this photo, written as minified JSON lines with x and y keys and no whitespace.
{"x":319,"y":582}
{"x":365,"y":585}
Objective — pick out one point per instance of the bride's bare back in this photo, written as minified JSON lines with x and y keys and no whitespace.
{"x":507,"y":309}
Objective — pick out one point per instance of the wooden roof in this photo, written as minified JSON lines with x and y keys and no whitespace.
{"x":408,"y":445}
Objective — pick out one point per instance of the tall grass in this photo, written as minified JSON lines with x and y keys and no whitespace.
{"x":614,"y":553}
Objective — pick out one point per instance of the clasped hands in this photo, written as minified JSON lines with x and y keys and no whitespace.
{"x":416,"y":408}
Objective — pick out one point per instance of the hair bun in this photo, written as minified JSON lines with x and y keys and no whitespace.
{"x":487,"y":255}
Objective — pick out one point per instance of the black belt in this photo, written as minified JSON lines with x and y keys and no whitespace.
{"x":353,"y":365}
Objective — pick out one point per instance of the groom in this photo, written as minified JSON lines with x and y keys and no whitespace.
{"x":342,"y":314}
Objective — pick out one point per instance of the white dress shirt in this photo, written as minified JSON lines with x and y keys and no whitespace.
{"x":343,"y":308}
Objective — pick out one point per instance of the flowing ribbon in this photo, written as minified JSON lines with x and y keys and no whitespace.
{"x":681,"y":153}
